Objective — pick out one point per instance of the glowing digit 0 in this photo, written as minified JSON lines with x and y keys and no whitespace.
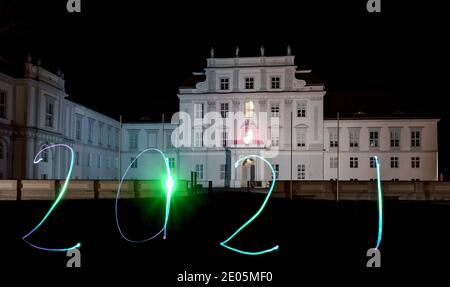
{"x":36,"y":160}
{"x":224,"y":243}
{"x":169,"y":185}
{"x":380,"y":204}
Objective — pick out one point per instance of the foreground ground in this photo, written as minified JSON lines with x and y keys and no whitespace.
{"x":311,"y":235}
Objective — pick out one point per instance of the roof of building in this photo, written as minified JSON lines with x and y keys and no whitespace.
{"x":396,"y":115}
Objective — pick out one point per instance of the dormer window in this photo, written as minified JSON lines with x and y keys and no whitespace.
{"x":224,"y":84}
{"x":275,"y":82}
{"x":249,"y":83}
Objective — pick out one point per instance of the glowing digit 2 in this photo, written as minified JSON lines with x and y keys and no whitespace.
{"x":224,"y":243}
{"x":380,"y":204}
{"x":36,"y":160}
{"x":169,"y":185}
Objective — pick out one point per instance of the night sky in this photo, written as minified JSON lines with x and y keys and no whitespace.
{"x":130,"y":58}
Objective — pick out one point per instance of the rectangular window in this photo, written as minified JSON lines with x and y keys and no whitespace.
{"x":372,"y":163}
{"x":301,"y":171}
{"x":394,"y":162}
{"x":249,"y":83}
{"x":99,"y":161}
{"x":275,"y":141}
{"x":152,"y":138}
{"x":333,"y":162}
{"x":90,"y":130}
{"x":168,"y":140}
{"x":223,"y":171}
{"x":224,"y":84}
{"x":301,"y":110}
{"x":44,"y":176}
{"x":394,"y":137}
{"x":415,"y":162}
{"x":224,"y":138}
{"x":3,"y":104}
{"x":249,"y":109}
{"x":224,"y":110}
{"x":373,"y":139}
{"x":100,"y":134}
{"x":198,"y":111}
{"x":275,"y":110}
{"x":199,"y":139}
{"x":108,"y":162}
{"x":301,"y":137}
{"x":275,"y":82}
{"x":109,"y":136}
{"x":199,"y":170}
{"x":78,"y":128}
{"x":134,"y":162}
{"x":353,"y":162}
{"x":276,"y":168}
{"x":77,"y":158}
{"x":116,"y":163}
{"x":89,"y":159}
{"x":354,"y":138}
{"x":333,"y":139}
{"x":171,"y":162}
{"x":133,"y":136}
{"x":415,"y":139}
{"x":49,"y":112}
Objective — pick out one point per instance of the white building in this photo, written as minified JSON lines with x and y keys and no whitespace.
{"x":34,"y":112}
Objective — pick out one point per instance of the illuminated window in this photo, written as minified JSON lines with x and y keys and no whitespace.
{"x":223,"y":171}
{"x":249,"y":83}
{"x":224,"y":84}
{"x":249,"y":109}
{"x":133,"y":136}
{"x":333,"y":162}
{"x":275,"y":141}
{"x":198,"y":111}
{"x":3,"y":104}
{"x":275,"y":81}
{"x":199,"y":139}
{"x":275,"y":110}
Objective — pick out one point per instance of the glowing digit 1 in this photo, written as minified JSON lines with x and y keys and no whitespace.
{"x":224,"y":243}
{"x":169,"y":185}
{"x":380,"y":204}
{"x":36,"y":160}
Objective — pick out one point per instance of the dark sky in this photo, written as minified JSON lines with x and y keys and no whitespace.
{"x":129,"y":58}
